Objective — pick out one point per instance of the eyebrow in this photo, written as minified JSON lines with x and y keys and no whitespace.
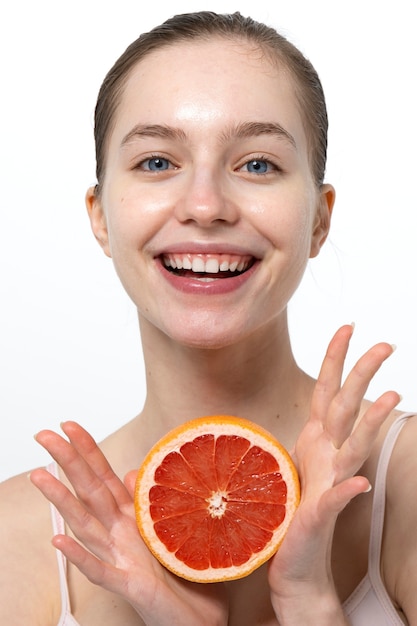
{"x":154,"y":130}
{"x":244,"y":130}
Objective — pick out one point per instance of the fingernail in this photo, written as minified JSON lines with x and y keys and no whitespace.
{"x":368,"y":489}
{"x":394,"y":347}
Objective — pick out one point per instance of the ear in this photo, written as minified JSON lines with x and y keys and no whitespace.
{"x":97,"y":219}
{"x":323,"y":218}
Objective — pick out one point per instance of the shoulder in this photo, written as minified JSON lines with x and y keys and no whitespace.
{"x":402,"y":470}
{"x":28,"y":576}
{"x":399,"y":562}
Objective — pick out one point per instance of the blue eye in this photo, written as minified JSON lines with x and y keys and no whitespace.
{"x":257,"y":166}
{"x":156,"y":164}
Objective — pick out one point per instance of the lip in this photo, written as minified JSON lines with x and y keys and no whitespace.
{"x":195,"y":247}
{"x":218,"y":286}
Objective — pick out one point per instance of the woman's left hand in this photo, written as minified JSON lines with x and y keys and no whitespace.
{"x":332,"y":447}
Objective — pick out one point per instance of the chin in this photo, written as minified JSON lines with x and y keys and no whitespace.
{"x":206,"y":341}
{"x":207,"y":334}
{"x":201,"y":328}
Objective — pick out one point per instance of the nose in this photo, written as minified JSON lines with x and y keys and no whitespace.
{"x":205,"y":200}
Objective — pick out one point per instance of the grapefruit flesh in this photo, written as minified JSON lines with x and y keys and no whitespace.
{"x":214,"y":498}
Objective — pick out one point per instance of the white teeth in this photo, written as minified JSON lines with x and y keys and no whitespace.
{"x":198,"y":265}
{"x":212,"y":266}
{"x":208,"y":264}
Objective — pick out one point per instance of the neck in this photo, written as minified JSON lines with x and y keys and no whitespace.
{"x":257,"y":379}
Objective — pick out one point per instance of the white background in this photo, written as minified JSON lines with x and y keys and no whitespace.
{"x":69,"y":345}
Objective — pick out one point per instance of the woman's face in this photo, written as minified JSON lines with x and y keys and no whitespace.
{"x":208,"y":207}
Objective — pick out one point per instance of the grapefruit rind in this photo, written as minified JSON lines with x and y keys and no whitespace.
{"x":217,"y":425}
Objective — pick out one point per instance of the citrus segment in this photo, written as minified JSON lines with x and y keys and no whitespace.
{"x":214,"y":498}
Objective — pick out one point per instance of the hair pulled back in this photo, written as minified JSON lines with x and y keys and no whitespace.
{"x":204,"y":25}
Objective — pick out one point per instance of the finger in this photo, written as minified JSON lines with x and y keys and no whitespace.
{"x":345,"y":407}
{"x":338,"y":497}
{"x":330,"y":376}
{"x":87,"y":447}
{"x":358,"y":446}
{"x":84,"y":526}
{"x":93,"y":493}
{"x":96,"y":570}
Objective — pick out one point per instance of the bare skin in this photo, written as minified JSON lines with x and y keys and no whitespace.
{"x":214,"y":352}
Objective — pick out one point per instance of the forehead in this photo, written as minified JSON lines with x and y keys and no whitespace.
{"x":217,"y":81}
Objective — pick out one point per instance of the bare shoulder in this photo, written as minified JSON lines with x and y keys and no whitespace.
{"x":29,"y":592}
{"x":399,"y":561}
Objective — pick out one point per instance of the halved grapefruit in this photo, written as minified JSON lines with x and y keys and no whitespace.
{"x":214,"y":498}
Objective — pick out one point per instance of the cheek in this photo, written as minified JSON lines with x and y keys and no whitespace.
{"x":287,"y":221}
{"x":133,"y":218}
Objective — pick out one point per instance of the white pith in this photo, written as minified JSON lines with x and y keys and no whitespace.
{"x":217,"y":504}
{"x":207,"y":263}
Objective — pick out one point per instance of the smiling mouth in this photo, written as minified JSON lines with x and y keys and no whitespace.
{"x":207,"y":267}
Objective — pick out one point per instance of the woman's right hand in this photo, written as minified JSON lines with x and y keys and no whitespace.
{"x":109,"y":550}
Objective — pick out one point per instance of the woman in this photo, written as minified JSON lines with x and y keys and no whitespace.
{"x":211,"y":144}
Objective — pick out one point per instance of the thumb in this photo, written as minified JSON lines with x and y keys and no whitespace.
{"x":130,"y":481}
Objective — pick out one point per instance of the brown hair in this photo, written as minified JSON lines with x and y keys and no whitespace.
{"x":203,"y":25}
